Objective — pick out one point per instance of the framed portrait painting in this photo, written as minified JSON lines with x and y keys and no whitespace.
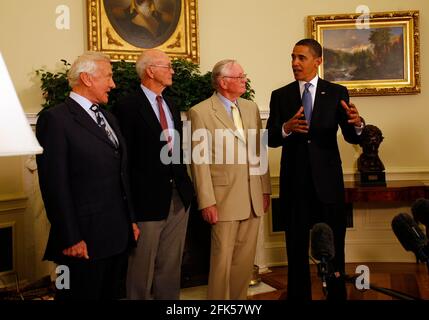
{"x":373,"y":55}
{"x":124,"y":28}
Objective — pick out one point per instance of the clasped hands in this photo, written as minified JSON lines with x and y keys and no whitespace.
{"x":298,"y":124}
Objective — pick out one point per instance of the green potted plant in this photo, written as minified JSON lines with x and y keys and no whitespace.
{"x":189,"y":85}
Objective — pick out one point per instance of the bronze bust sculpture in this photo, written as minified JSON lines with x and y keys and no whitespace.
{"x":370,"y":166}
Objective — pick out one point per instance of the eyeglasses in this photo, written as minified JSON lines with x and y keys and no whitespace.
{"x":242,"y":77}
{"x":168,"y":66}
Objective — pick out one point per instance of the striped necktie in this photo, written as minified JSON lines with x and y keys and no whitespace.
{"x":102,"y":124}
{"x":237,"y":120}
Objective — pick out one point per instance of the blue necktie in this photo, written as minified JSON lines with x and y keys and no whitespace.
{"x":307,"y":102}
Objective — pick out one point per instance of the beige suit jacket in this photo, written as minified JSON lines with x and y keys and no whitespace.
{"x":229,"y":186}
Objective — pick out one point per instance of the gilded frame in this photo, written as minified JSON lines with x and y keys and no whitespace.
{"x":360,"y":74}
{"x":122,"y":41}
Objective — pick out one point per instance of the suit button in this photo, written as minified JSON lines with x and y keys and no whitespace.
{"x":309,"y":141}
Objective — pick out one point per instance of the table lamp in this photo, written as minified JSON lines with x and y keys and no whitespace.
{"x":16,"y":136}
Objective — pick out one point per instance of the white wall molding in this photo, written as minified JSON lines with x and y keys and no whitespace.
{"x":12,"y":202}
{"x":32,"y":118}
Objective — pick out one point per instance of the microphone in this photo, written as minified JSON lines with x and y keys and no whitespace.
{"x":322,"y":249}
{"x":420,"y":211}
{"x":410,"y":236}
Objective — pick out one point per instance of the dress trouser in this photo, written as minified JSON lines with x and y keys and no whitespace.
{"x":102,"y":279}
{"x":305,"y":209}
{"x":233,"y":248}
{"x":154,"y":265}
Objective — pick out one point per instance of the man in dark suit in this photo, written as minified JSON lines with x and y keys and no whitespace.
{"x":83,"y":180}
{"x":161,"y":189}
{"x":304,"y":119}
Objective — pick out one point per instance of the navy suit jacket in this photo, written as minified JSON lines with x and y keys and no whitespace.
{"x":84,"y":183}
{"x":318,"y":147}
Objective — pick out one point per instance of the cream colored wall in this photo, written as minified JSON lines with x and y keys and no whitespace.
{"x":260,"y":34}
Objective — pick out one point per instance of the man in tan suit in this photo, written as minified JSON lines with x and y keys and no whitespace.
{"x":231,"y":178}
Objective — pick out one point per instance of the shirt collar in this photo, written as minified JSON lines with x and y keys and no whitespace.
{"x":312,"y":81}
{"x":226,"y":102}
{"x":81,"y":100}
{"x":149,"y":94}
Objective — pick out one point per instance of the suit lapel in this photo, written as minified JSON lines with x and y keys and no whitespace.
{"x":295,"y":96}
{"x":83,"y":118}
{"x":176,"y":115}
{"x":321,"y":94}
{"x":245,"y":116}
{"x":147,"y":113}
{"x":113,"y":125}
{"x":222,"y":115}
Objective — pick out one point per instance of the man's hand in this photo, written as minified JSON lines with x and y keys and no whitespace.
{"x":267,"y":199}
{"x":296,"y":123}
{"x":210,"y":214}
{"x":352,"y":114}
{"x":136,"y":231}
{"x":78,"y":250}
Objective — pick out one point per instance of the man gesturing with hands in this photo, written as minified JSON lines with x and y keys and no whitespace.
{"x":304,"y":120}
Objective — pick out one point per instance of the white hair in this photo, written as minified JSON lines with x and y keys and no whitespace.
{"x":147,"y":58}
{"x":85,"y":63}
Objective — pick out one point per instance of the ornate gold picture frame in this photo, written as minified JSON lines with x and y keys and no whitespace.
{"x":124,"y":28}
{"x":375,"y":55}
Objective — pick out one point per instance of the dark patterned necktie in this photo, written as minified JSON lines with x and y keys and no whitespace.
{"x":307,"y":102}
{"x":102,"y":124}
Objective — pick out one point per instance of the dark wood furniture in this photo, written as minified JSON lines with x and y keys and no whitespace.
{"x":407,"y":191}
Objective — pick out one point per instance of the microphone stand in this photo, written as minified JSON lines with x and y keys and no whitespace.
{"x":390,"y":292}
{"x":322,"y":272}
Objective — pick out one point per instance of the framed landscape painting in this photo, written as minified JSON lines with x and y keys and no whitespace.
{"x":379,"y":57}
{"x":123,"y":28}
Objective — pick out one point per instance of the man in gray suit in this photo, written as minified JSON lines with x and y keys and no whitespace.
{"x":161,"y":192}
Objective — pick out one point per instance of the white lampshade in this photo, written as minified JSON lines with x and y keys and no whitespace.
{"x":16,"y":136}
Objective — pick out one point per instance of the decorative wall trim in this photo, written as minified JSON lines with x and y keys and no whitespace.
{"x":32,"y":118}
{"x":264,"y":114}
{"x":392,"y":174}
{"x":399,"y":174}
{"x":12,"y":202}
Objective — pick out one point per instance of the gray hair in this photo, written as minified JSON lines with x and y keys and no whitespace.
{"x":85,"y":63}
{"x":218,"y":71}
